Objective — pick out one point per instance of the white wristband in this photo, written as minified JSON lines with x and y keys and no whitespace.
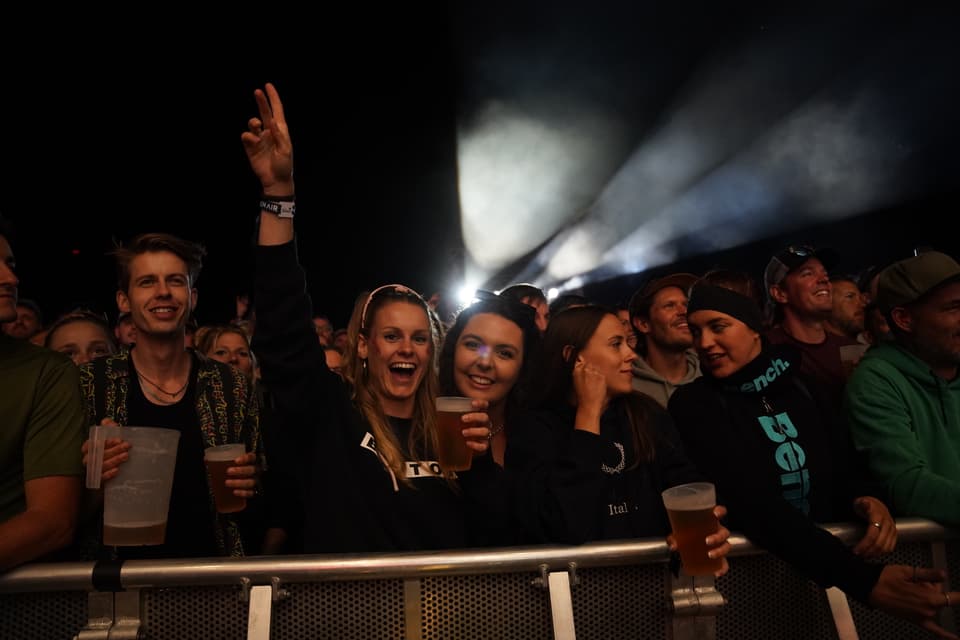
{"x":279,"y":209}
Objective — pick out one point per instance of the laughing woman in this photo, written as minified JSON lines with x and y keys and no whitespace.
{"x":365,"y":444}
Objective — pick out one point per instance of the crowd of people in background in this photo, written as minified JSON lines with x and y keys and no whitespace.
{"x":806,"y":397}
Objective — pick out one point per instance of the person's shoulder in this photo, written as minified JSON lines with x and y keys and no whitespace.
{"x":840,"y":341}
{"x":695,"y":388}
{"x":208,"y":365}
{"x":691,"y":397}
{"x":114,"y":365}
{"x":230,"y":374}
{"x":884,"y":359}
{"x":17,"y":353}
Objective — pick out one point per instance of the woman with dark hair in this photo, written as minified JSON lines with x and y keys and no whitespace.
{"x":765,"y":435}
{"x":598,"y":450}
{"x":490,"y":353}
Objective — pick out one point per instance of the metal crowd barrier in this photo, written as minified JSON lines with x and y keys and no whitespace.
{"x":603,"y":591}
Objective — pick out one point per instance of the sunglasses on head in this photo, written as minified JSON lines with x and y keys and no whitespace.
{"x":801,"y":251}
{"x":396,"y":290}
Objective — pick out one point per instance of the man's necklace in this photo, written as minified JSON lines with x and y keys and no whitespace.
{"x":172,"y":394}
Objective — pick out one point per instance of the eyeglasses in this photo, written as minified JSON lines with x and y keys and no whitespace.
{"x":396,"y":289}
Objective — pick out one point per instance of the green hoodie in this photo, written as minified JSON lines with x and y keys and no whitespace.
{"x":907,"y":421}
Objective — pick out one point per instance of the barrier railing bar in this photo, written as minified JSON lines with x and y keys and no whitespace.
{"x":76,"y":576}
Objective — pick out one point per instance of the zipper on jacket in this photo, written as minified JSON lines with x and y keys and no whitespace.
{"x":769,"y":410}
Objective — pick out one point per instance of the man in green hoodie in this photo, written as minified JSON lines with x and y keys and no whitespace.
{"x":903,"y":401}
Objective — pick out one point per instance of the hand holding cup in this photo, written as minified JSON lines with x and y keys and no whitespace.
{"x":694,"y":518}
{"x":463,"y":430}
{"x":232,"y":474}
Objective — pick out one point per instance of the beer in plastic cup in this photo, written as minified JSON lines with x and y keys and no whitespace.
{"x":454,"y":453}
{"x":690,"y":509}
{"x":218,"y":459}
{"x":136,"y":501}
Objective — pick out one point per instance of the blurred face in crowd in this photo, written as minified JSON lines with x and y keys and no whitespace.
{"x":724,"y":344}
{"x":806,"y":290}
{"x":488,"y":357}
{"x":624,"y":316}
{"x":334,"y":361}
{"x":933,"y":325}
{"x":848,"y":307}
{"x":543,"y":311}
{"x":666,"y":324}
{"x":340,"y":341}
{"x":607,"y":351}
{"x":125,"y":331}
{"x":81,"y":340}
{"x":8,"y":283}
{"x":232,"y":348}
{"x":324,"y":330}
{"x":27,"y":324}
{"x":398,"y":352}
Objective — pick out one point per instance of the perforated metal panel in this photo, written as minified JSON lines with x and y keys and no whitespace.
{"x":621,"y":602}
{"x":42,"y":616}
{"x":358,"y":610}
{"x":767,"y":598}
{"x":212,"y":613}
{"x":499,"y":607}
{"x":883,"y":626}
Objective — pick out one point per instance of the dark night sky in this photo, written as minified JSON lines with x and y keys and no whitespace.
{"x":113,"y":136}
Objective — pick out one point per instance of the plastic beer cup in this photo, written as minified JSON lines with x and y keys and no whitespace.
{"x":690,"y":509}
{"x":136,"y":501}
{"x":454,"y":453}
{"x":218,"y":460}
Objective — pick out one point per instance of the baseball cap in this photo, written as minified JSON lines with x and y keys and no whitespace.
{"x":641,"y":300}
{"x":909,"y":280}
{"x":791,"y":258}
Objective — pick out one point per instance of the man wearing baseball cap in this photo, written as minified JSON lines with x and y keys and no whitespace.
{"x":903,"y":401}
{"x":797,"y":282}
{"x":658,"y":313}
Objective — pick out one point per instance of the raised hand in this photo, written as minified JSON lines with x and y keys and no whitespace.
{"x":268,"y":146}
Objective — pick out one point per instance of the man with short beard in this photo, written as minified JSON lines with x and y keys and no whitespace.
{"x":846,"y":318}
{"x":658,"y":313}
{"x":903,"y":400}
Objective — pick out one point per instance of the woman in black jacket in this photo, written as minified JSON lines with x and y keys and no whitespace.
{"x":599,"y":450}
